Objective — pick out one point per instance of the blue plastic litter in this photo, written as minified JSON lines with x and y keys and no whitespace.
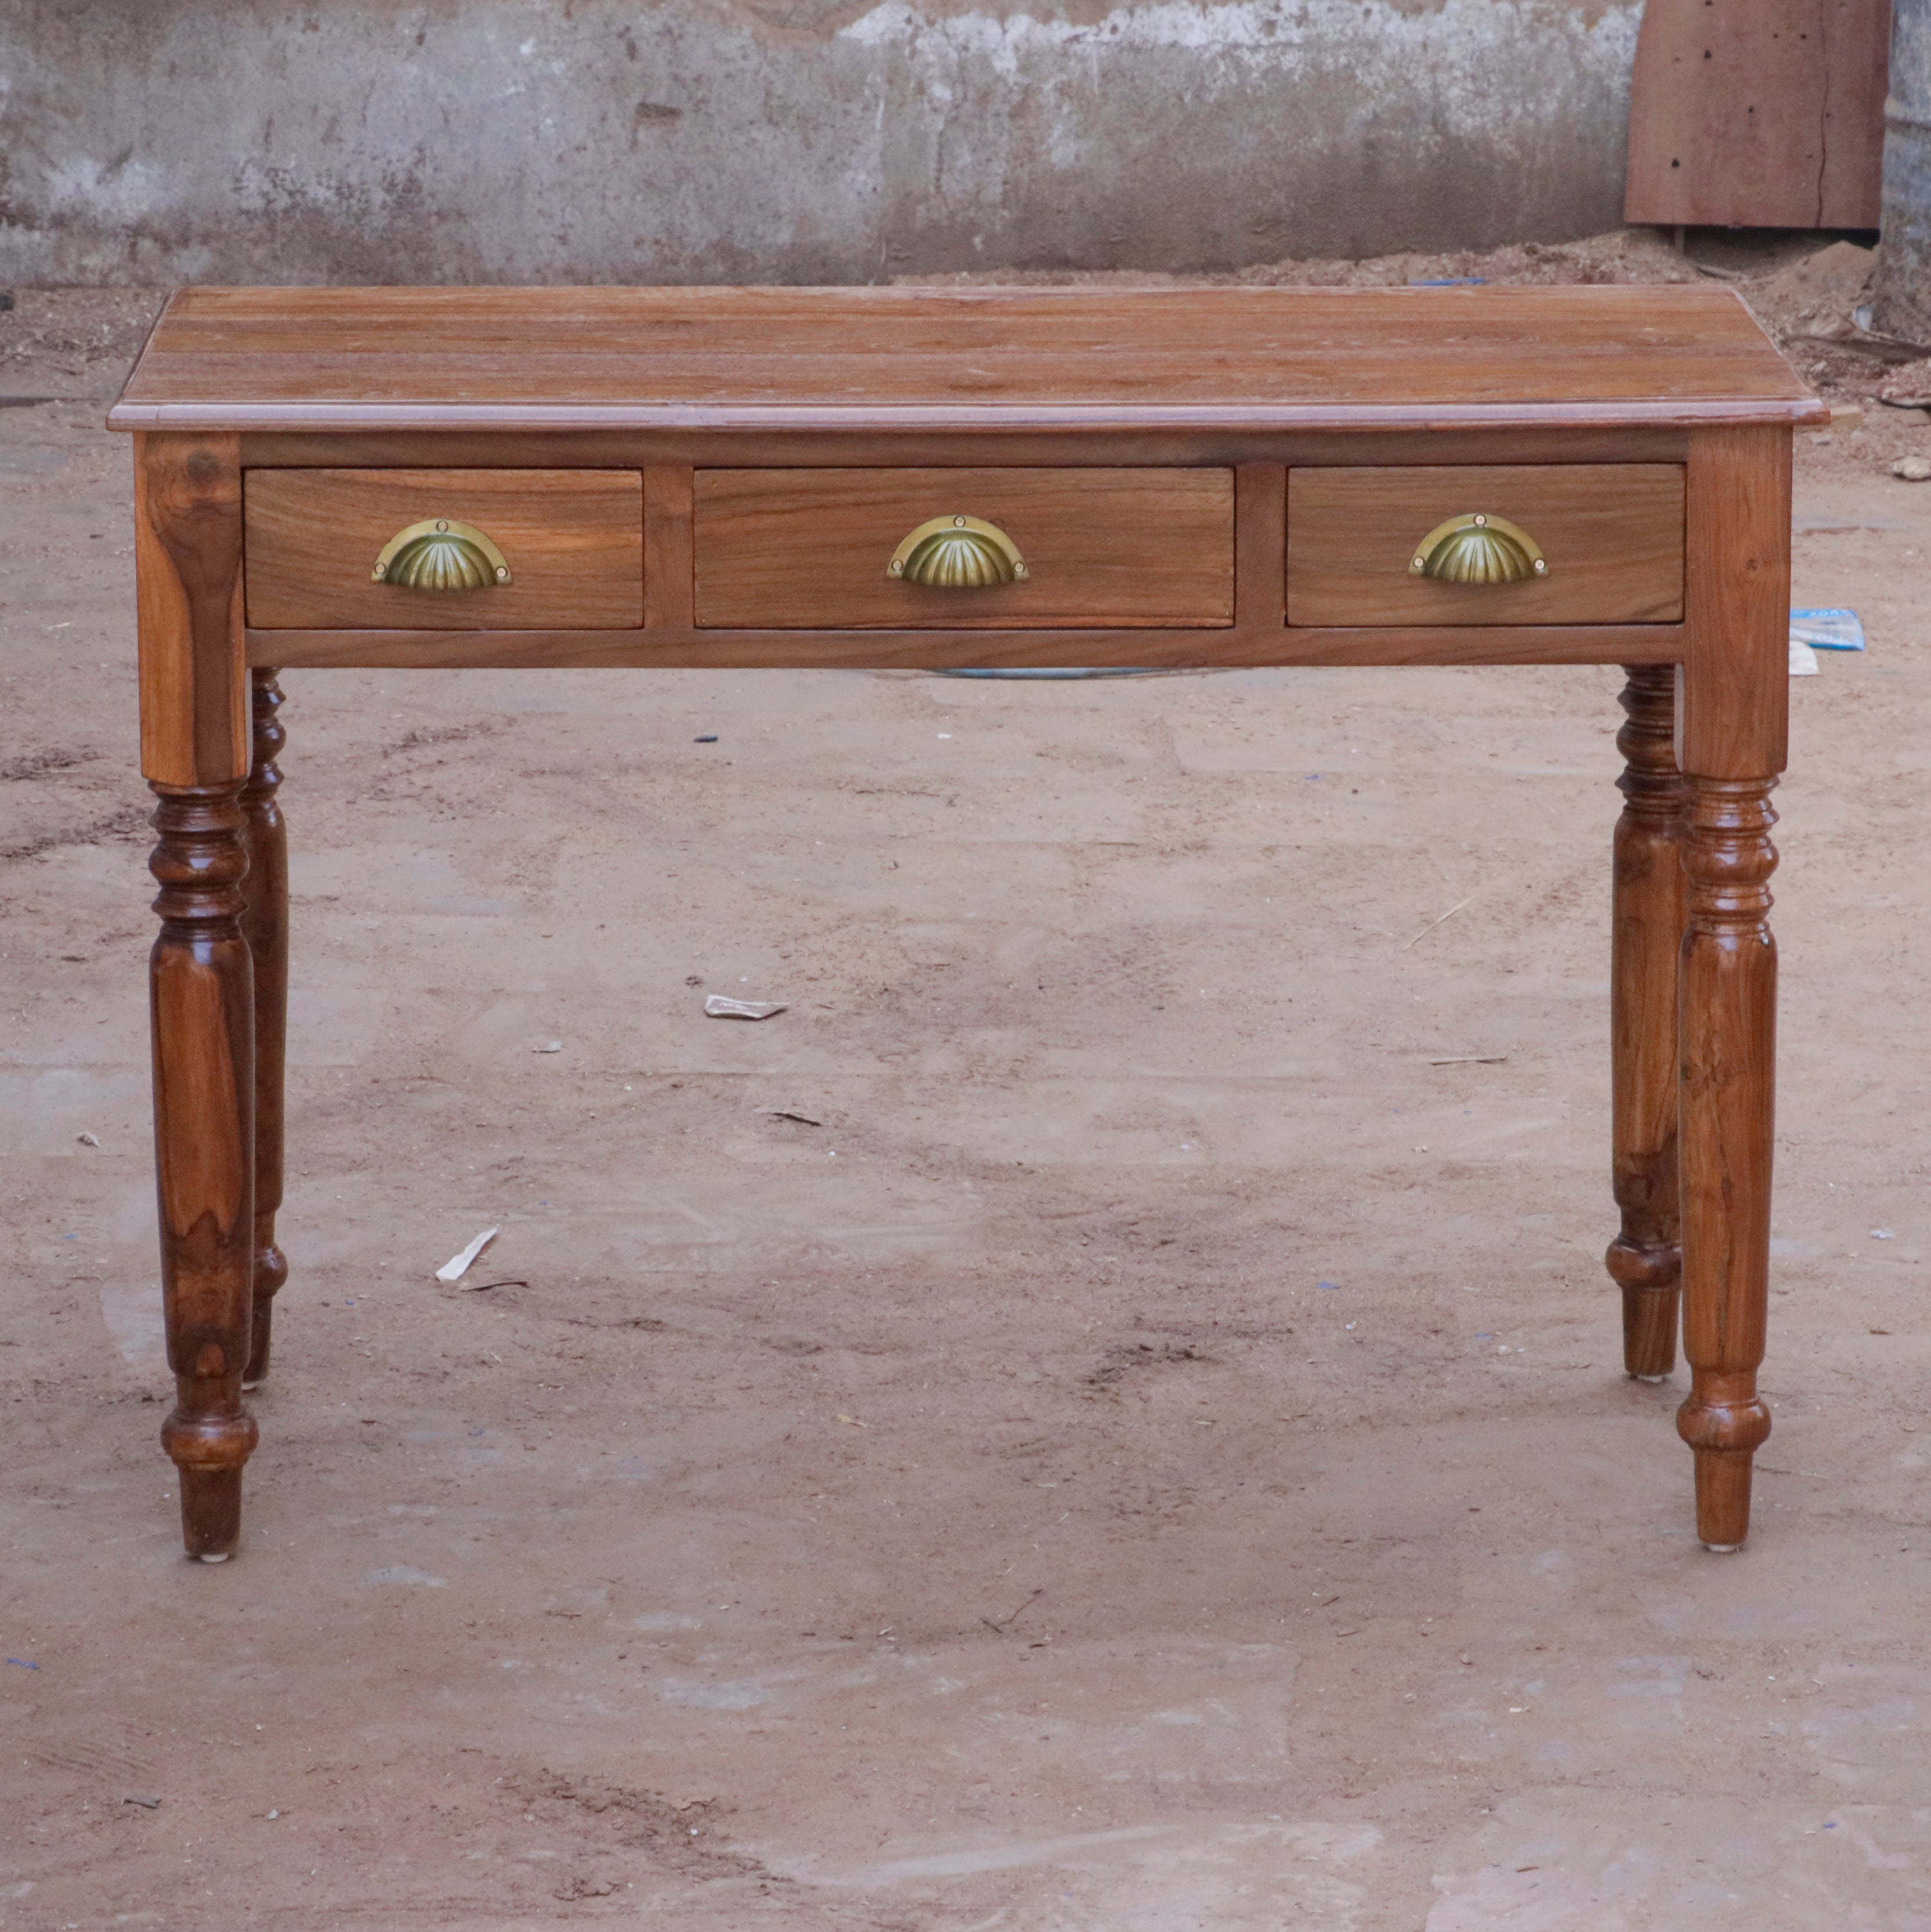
{"x":1453,"y":282}
{"x":1834,"y":628}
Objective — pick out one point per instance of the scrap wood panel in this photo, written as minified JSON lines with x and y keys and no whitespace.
{"x":1759,"y":113}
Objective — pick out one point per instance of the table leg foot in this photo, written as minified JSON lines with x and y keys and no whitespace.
{"x":211,"y":1507}
{"x":1651,"y":1281}
{"x":1723,"y":1473}
{"x":1722,"y":1502}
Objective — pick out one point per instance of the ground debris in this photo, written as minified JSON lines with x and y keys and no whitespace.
{"x":1126,"y":1358}
{"x":457,"y":1265}
{"x":717,"y":1006}
{"x":679,"y":1835}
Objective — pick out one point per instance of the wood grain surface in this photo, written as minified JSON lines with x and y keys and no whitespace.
{"x":202,"y":1024}
{"x":1648,"y":917}
{"x":808,"y":549}
{"x":666,"y":544}
{"x":1733,"y":714}
{"x":1759,"y":113}
{"x":574,"y":539}
{"x":264,"y":926}
{"x":965,"y":359}
{"x":1260,"y":553}
{"x":1612,"y":533}
{"x":187,"y":578}
{"x":1727,"y":1040}
{"x":948,"y":650}
{"x":1195,"y":448}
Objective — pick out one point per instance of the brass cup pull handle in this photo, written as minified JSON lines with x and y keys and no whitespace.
{"x":957,"y":554}
{"x":440,"y":555}
{"x":1479,"y":549}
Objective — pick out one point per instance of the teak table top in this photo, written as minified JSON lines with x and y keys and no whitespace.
{"x":914,"y":358}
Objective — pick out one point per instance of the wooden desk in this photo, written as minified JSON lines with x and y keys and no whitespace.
{"x":745,"y":477}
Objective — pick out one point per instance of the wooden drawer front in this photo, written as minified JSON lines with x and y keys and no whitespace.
{"x":1611,"y":533}
{"x":808,"y":549}
{"x":573,"y":540}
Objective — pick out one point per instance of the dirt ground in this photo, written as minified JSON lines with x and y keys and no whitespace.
{"x":1146,"y":1452}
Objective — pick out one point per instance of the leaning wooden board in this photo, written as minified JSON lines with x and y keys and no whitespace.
{"x":1759,"y":113}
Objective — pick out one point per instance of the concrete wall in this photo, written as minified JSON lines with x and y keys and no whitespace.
{"x":791,"y":140}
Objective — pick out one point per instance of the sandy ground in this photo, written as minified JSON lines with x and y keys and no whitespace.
{"x":1150,"y":1454}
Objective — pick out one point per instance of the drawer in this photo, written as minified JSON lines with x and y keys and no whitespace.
{"x":572,"y":540}
{"x":1610,"y":534}
{"x":812,"y":549}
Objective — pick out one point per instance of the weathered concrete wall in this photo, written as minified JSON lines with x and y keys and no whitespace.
{"x":791,"y":140}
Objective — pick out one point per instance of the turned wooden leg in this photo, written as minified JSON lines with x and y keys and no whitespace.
{"x":1728,"y":1018}
{"x":201,"y":985}
{"x":265,"y":925}
{"x":1646,"y":1259}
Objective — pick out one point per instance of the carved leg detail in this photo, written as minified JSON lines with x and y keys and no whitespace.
{"x":202,"y":1006}
{"x":1645,"y":1260}
{"x":1728,"y":1044}
{"x":265,"y":925}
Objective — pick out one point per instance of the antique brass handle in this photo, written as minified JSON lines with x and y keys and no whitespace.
{"x":1479,"y":549}
{"x":438,"y":555}
{"x":956,"y":553}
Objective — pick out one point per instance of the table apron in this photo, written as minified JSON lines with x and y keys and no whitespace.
{"x":687,"y":648}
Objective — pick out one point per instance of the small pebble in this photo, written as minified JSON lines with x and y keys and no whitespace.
{"x":1912,"y":469}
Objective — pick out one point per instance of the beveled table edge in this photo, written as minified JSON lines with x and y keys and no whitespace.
{"x":1258,"y":418}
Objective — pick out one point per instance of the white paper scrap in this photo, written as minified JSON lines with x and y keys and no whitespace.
{"x":457,"y":1266}
{"x":720,"y":1008}
{"x":1803,"y":659}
